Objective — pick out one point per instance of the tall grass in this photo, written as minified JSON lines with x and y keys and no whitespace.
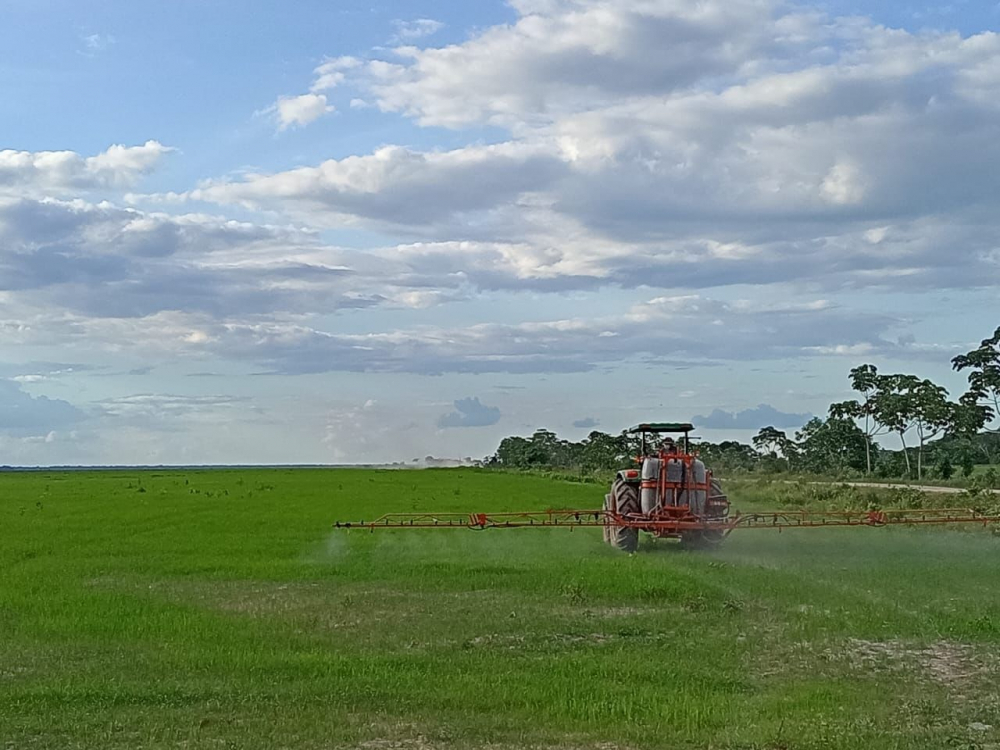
{"x":775,"y":493}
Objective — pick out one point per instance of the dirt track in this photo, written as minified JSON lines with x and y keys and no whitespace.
{"x":921,"y":487}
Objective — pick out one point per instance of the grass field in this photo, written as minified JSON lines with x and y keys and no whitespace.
{"x":217,"y":609}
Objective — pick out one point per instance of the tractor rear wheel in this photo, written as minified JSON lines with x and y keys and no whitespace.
{"x":626,"y":500}
{"x":706,"y":538}
{"x":716,"y":489}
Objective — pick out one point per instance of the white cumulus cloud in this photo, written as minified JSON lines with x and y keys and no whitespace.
{"x":333,"y":72}
{"x":292,"y":111}
{"x":64,"y":171}
{"x":677,"y":145}
{"x":407,"y":31}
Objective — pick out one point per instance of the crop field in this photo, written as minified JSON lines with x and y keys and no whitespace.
{"x":218,"y":609}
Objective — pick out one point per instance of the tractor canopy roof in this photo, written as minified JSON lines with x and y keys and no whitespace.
{"x":660,"y":427}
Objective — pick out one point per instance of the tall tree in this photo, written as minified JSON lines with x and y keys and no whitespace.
{"x":969,"y":417}
{"x":773,"y":442}
{"x":905,"y":403}
{"x":983,"y":364}
{"x":728,"y":456}
{"x":867,"y":382}
{"x":547,"y":446}
{"x":835,"y":444}
{"x":603,"y":451}
{"x":519,"y":453}
{"x":514,"y":452}
{"x":932,"y":413}
{"x":893,"y":406}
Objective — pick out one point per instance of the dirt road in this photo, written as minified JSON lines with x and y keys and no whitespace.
{"x":921,"y":487}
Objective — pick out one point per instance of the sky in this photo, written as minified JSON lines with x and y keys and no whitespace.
{"x":357,"y":232}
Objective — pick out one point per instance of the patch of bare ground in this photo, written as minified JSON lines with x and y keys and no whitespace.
{"x":946,"y":662}
{"x":957,"y":667}
{"x":945,"y":687}
{"x":255,"y":599}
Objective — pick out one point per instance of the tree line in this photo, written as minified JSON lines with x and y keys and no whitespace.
{"x":939,"y":436}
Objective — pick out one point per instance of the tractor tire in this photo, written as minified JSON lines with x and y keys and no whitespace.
{"x":608,"y":527}
{"x":705,"y":540}
{"x":716,"y":489}
{"x":626,"y":500}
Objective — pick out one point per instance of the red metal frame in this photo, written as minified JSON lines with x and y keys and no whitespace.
{"x":662,"y":485}
{"x":669,"y":518}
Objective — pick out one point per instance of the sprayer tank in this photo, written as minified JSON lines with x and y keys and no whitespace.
{"x":648,"y":487}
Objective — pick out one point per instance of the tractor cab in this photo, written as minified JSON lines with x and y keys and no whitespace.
{"x":652,"y":441}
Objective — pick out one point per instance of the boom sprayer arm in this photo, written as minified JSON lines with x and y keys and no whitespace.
{"x":799,"y":519}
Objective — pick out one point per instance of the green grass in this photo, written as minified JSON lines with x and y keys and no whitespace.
{"x":775,"y":492}
{"x":217,"y":609}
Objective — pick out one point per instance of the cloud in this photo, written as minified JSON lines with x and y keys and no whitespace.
{"x":751,"y":419}
{"x":164,"y":404}
{"x":370,"y":432}
{"x":39,"y":372}
{"x":469,"y":412}
{"x":661,"y":331}
{"x":395,"y":186}
{"x":587,"y":423}
{"x":407,"y":31}
{"x":655,"y":145}
{"x":63,"y":171}
{"x":765,"y":148}
{"x":95,"y":43}
{"x":906,"y":255}
{"x":331,"y":73}
{"x":194,"y":283}
{"x":302,"y":109}
{"x":22,"y":414}
{"x":101,"y":260}
{"x":571,"y":55}
{"x":296,"y":111}
{"x":169,"y":412}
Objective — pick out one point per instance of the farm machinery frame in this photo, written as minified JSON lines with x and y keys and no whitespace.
{"x":671,"y":494}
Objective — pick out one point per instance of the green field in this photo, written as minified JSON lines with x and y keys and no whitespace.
{"x":217,"y":609}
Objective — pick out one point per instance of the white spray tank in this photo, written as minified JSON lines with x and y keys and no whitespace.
{"x":647,"y":488}
{"x":675,"y":473}
{"x":695,"y":498}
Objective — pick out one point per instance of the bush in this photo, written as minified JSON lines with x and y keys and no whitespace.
{"x":988,"y":480}
{"x":945,"y":469}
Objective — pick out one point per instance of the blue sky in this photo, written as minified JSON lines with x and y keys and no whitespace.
{"x":350,"y":232}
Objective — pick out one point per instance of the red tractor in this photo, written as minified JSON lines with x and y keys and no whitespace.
{"x":671,"y":494}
